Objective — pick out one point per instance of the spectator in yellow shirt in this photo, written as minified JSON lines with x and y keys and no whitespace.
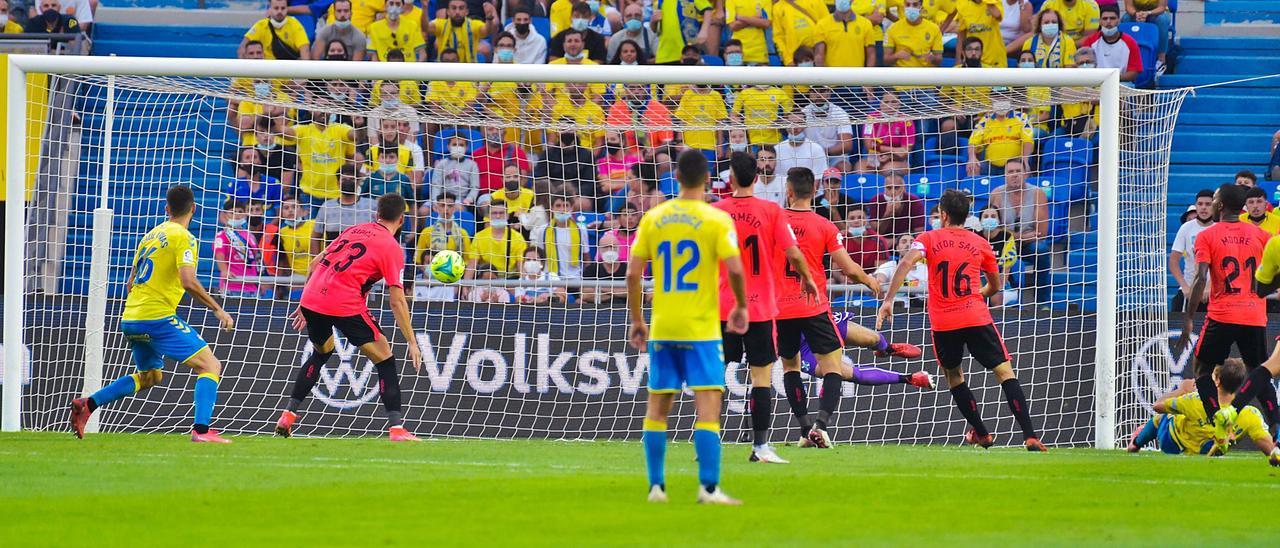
{"x":295,"y":239}
{"x":1049,"y":46}
{"x":1002,"y":135}
{"x":445,"y":234}
{"x":941,"y":12}
{"x":749,"y":21}
{"x":342,"y":30}
{"x":795,"y":24}
{"x":324,"y":146}
{"x":702,"y":106}
{"x":981,"y":19}
{"x":396,"y":33}
{"x":874,"y":11}
{"x":519,"y":199}
{"x":573,"y":103}
{"x":1080,"y":18}
{"x":461,"y":34}
{"x":759,"y":107}
{"x":451,"y":97}
{"x":1255,"y":211}
{"x":281,"y":36}
{"x":913,"y":41}
{"x":845,"y":39}
{"x":10,"y":26}
{"x":498,"y":246}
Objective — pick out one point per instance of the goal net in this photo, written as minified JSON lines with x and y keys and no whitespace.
{"x":532,"y":344}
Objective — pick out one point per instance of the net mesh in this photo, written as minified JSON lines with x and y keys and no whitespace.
{"x":514,"y":355}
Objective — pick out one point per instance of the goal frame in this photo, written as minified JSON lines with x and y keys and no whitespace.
{"x":19,"y":66}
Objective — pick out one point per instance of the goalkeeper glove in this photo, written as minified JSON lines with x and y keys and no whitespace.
{"x":1224,"y":425}
{"x":1274,"y":459}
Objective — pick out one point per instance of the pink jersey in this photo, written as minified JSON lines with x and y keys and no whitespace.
{"x":817,"y":237}
{"x":763,"y":233}
{"x":357,"y":259}
{"x":957,"y":259}
{"x":244,"y":258}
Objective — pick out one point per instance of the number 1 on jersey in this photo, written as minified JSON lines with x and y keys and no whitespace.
{"x":667,"y":257}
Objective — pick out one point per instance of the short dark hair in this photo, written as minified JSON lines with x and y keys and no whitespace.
{"x":1113,"y":8}
{"x":767,"y":148}
{"x":232,"y":203}
{"x":501,"y":35}
{"x":391,"y":206}
{"x":970,"y":40}
{"x":955,"y":205}
{"x":349,"y":170}
{"x":254,"y":43}
{"x":1247,"y":174}
{"x":800,"y":181}
{"x":691,"y":48}
{"x":180,"y":200}
{"x":691,"y":169}
{"x":535,"y":250}
{"x":1232,"y":197}
{"x":743,"y":167}
{"x":447,"y":196}
{"x":565,"y":34}
{"x":521,"y":9}
{"x":447,"y":51}
{"x":1231,"y":375}
{"x":733,"y":42}
{"x":1204,"y":193}
{"x":395,"y":55}
{"x":803,"y":51}
{"x":1255,"y":192}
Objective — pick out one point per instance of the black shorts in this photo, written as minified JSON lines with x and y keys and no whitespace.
{"x":819,"y":331}
{"x":359,"y":330}
{"x":983,"y":341}
{"x":1216,"y":338}
{"x":758,"y":344}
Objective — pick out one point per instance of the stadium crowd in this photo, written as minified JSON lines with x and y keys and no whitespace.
{"x":524,"y":204}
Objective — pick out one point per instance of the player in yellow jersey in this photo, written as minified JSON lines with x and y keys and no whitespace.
{"x":163,"y":267}
{"x":1181,"y":425}
{"x":687,"y":240}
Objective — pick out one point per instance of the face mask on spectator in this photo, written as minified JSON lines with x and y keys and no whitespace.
{"x":563,"y":217}
{"x":512,"y":185}
{"x":522,"y":28}
{"x":457,"y":151}
{"x":277,"y":24}
{"x":505,"y":55}
{"x":733,"y":59}
{"x":796,"y":137}
{"x":805,"y":64}
{"x":393,"y":102}
{"x":820,"y":108}
{"x":337,"y":57}
{"x":256,"y":222}
{"x":1110,"y":31}
{"x":738,"y":147}
{"x":264,"y":146}
{"x":857,"y":231}
{"x":634,"y":25}
{"x":237,"y":223}
{"x":1000,"y":107}
{"x":628,"y":63}
{"x":343,"y":25}
{"x":1049,"y":29}
{"x":261,"y":89}
{"x":689,"y":61}
{"x":387,"y":168}
{"x":350,"y":187}
{"x":913,"y":14}
{"x":1027,"y":64}
{"x":990,"y":223}
{"x":935,"y":223}
{"x":594,"y":5}
{"x":393,"y":12}
{"x":579,"y":24}
{"x":1087,"y":65}
{"x":498,"y":223}
{"x":843,"y":6}
{"x":532,"y":268}
{"x":291,"y":223}
{"x":568,"y":139}
{"x":573,"y":56}
{"x":609,"y":256}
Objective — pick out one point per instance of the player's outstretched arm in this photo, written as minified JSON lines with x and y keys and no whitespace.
{"x":738,"y":318}
{"x":796,"y":258}
{"x":189,"y":282}
{"x":854,"y":271}
{"x":639,"y":332}
{"x":899,"y":277}
{"x":400,"y":309}
{"x":1193,"y":304}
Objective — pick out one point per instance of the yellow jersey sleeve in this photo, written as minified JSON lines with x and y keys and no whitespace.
{"x":1270,"y":262}
{"x":1187,"y":405}
{"x":1249,"y":423}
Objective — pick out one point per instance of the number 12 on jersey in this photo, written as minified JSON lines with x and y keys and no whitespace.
{"x":667,"y":256}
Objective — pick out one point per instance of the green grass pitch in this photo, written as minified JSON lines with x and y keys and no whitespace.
{"x":155,"y":490}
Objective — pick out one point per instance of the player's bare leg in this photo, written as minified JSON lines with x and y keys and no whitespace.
{"x":208,"y":374}
{"x":379,"y":352}
{"x":1018,"y":405}
{"x":706,"y":443}
{"x":793,"y":384}
{"x":977,"y":434}
{"x":862,"y":337}
{"x":654,"y":437}
{"x":83,"y":408}
{"x":829,"y":366}
{"x":306,"y":379}
{"x":761,"y":404}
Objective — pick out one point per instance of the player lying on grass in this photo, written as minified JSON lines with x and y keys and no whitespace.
{"x":1180,"y":425}
{"x":958,"y":315}
{"x":163,"y":268}
{"x":335,"y":298}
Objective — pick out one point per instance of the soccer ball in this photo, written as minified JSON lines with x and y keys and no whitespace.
{"x":447,"y":267}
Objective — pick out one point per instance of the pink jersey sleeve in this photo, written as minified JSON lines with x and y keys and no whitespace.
{"x":393,"y":264}
{"x":783,"y":236}
{"x":834,"y":241}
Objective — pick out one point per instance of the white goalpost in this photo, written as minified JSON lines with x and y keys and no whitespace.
{"x":1087,"y":290}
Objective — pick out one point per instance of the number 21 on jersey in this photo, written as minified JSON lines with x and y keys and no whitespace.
{"x":684,"y":252}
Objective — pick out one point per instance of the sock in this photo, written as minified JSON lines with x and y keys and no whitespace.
{"x":968,"y":407}
{"x":706,"y":443}
{"x":1019,"y":406}
{"x":1148,"y":432}
{"x":206,"y":396}
{"x":119,"y":388}
{"x":761,"y":414}
{"x":872,"y":376}
{"x":1258,"y":384}
{"x":306,"y":379}
{"x":829,"y":399}
{"x":796,"y":398}
{"x":655,"y":451}
{"x":883,"y":344}
{"x":1209,"y":394}
{"x":389,"y":390}
{"x":1267,"y":400}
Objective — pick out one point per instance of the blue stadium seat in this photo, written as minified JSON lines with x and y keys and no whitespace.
{"x":935,"y":157}
{"x":543,"y":26}
{"x":861,"y":187}
{"x":1071,"y":151}
{"x":712,"y":61}
{"x":980,"y":187}
{"x":440,"y":142}
{"x":1147,"y":36}
{"x":931,"y":182}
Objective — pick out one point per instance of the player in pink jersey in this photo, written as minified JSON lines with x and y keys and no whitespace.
{"x":334,"y":297}
{"x":959,"y":317}
{"x":762,"y":231}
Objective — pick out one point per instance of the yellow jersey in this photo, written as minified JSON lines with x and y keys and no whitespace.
{"x":974,"y":19}
{"x":755,"y":46}
{"x":847,"y":41}
{"x":464,"y":39}
{"x":436,"y":239}
{"x":587,"y":114}
{"x":520,"y":203}
{"x":407,"y":38}
{"x":1059,"y":53}
{"x":864,"y":8}
{"x":921,"y":39}
{"x":1078,"y":20}
{"x":12,"y":27}
{"x":686,"y":240}
{"x":795,"y":24}
{"x":291,"y":34}
{"x":491,"y":250}
{"x":295,"y":246}
{"x":930,"y":10}
{"x":321,"y":152}
{"x":1193,"y":430}
{"x":561,"y":15}
{"x":452,"y":97}
{"x":679,"y":18}
{"x":404,"y":159}
{"x":410,"y":93}
{"x":1266,"y":272}
{"x":1003,"y":138}
{"x":1270,"y":222}
{"x":762,"y":106}
{"x":701,"y":107}
{"x":157,"y":286}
